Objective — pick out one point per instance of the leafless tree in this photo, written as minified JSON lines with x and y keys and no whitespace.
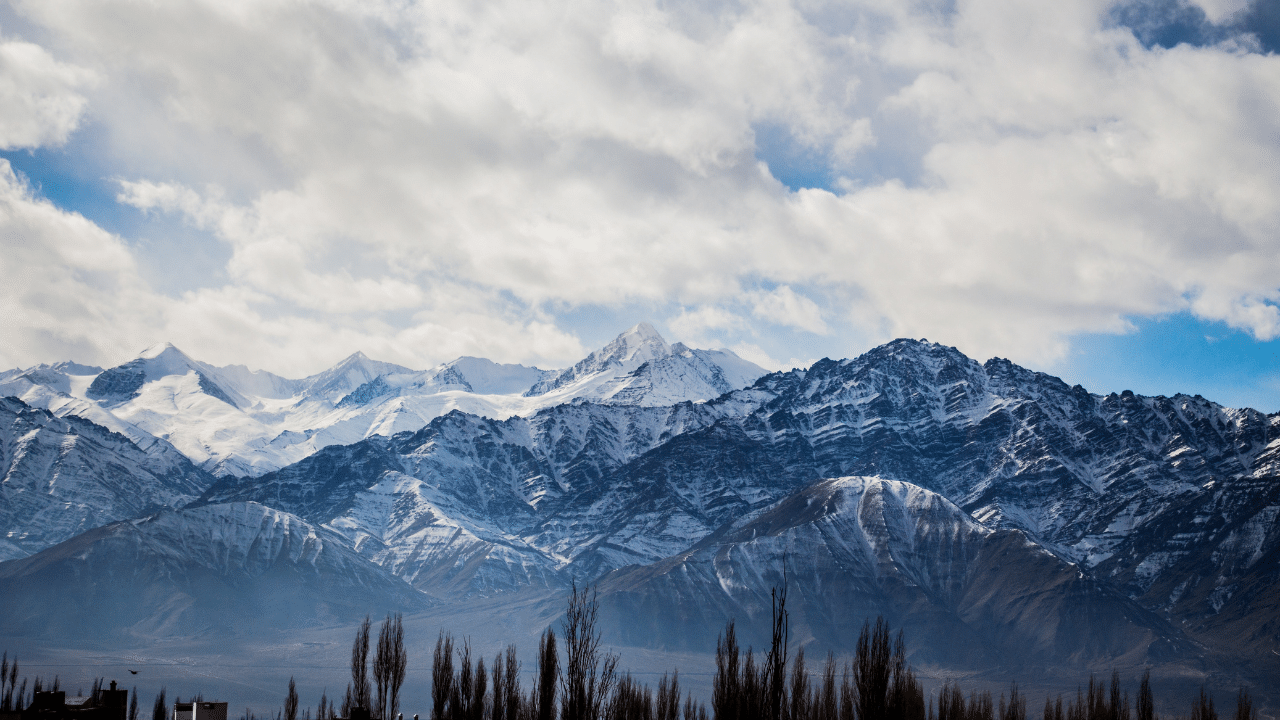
{"x":441,"y":675}
{"x":360,"y":694}
{"x":291,"y":702}
{"x":725,"y":691}
{"x":511,"y":693}
{"x":543,"y":696}
{"x":589,"y":675}
{"x":158,"y":709}
{"x":389,"y":664}
{"x":1146,"y":709}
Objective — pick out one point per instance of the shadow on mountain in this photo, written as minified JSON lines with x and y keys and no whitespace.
{"x":849,"y":549}
{"x":229,"y":569}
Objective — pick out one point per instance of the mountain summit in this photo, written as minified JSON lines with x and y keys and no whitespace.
{"x":639,"y":367}
{"x":235,"y":421}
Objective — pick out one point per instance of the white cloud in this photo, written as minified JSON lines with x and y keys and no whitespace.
{"x":70,"y":289}
{"x":417,"y":178}
{"x":783,"y":306}
{"x":73,"y":291}
{"x":1218,"y":11}
{"x":706,"y":325}
{"x":40,"y":103}
{"x":757,"y":355}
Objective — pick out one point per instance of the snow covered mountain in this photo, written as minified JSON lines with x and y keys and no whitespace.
{"x":1022,"y":504}
{"x":234,"y":421}
{"x":1112,"y":484}
{"x":640,"y":368}
{"x":226,"y":569}
{"x":852,"y":548}
{"x":63,"y":476}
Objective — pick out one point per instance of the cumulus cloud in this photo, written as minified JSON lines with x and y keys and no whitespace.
{"x":40,"y":100}
{"x":71,"y":289}
{"x":784,"y":306}
{"x":706,"y":325}
{"x":450,"y":177}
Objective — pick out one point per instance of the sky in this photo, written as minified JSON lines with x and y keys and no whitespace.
{"x":1090,"y":189}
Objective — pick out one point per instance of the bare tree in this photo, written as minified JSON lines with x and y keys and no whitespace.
{"x":133,"y":702}
{"x":775,"y":669}
{"x":13,"y":683}
{"x":799,"y":688}
{"x":543,"y":696}
{"x":291,"y":701}
{"x":668,"y":704}
{"x":479,"y":691}
{"x":158,"y":709}
{"x":589,"y":676}
{"x":498,"y":710}
{"x":360,"y":694}
{"x":1016,"y":707}
{"x":1202,"y":707}
{"x":872,"y":670}
{"x":826,"y":706}
{"x":512,"y":696}
{"x":441,"y":675}
{"x":460,"y":700}
{"x":1244,"y":706}
{"x":725,"y":690}
{"x":389,"y":664}
{"x":1146,"y":704}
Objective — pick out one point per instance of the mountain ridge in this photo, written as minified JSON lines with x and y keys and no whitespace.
{"x":1165,"y":507}
{"x":234,"y":421}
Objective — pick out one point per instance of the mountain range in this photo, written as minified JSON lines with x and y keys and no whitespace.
{"x":1001,"y":515}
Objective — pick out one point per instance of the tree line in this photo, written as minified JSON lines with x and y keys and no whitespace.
{"x":875,"y":683}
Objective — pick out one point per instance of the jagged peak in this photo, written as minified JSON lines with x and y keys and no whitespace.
{"x":641,"y":338}
{"x":643,"y":330}
{"x":161,"y":349}
{"x":356,"y":358}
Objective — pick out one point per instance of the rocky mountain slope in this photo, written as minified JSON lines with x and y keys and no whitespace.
{"x":62,"y":476}
{"x":855,"y":547}
{"x":225,"y":569}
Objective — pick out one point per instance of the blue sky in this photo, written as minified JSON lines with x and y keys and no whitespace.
{"x":1090,"y":190}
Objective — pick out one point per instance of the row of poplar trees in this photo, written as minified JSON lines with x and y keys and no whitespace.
{"x":874,"y":684}
{"x":377,"y":699}
{"x":586,"y":687}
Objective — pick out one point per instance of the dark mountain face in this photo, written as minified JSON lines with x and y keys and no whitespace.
{"x":227,"y":569}
{"x":850,"y":549}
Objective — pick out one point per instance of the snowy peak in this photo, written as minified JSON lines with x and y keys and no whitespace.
{"x":159,"y":350}
{"x":855,"y":547}
{"x":639,"y":367}
{"x":486,"y":377}
{"x":74,"y":368}
{"x":624,"y":354}
{"x":472,"y":375}
{"x":356,"y":370}
{"x":125,"y":382}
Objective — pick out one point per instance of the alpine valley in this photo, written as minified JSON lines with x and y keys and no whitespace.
{"x":1008,"y":522}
